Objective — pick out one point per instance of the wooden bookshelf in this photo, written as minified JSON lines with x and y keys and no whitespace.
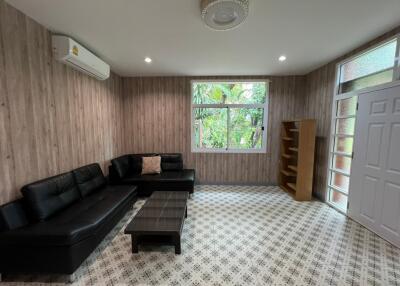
{"x":297,"y":158}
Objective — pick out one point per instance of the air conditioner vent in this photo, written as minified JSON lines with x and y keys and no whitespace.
{"x":71,"y":53}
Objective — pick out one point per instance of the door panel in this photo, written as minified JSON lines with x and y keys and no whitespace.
{"x":378,"y":107}
{"x":374,"y":193}
{"x":374,"y":143}
{"x":394,"y":157}
{"x":391,"y":210}
{"x":396,"y":106}
{"x":368,"y":199}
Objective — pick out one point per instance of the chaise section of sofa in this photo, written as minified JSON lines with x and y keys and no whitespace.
{"x":60,"y":221}
{"x":126,"y":170}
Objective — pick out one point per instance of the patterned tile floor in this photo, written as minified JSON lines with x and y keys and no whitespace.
{"x":240,"y":235}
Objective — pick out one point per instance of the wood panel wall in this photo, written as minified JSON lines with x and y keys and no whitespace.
{"x":52,"y":118}
{"x":319,"y":92}
{"x":157,"y":119}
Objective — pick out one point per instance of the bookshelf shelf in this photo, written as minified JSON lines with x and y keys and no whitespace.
{"x":292,"y":186}
{"x":287,"y":156}
{"x":288,"y":173}
{"x":287,"y":138}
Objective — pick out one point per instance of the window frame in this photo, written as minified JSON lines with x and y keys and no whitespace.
{"x":265,"y":106}
{"x":396,"y":65}
{"x":354,"y":93}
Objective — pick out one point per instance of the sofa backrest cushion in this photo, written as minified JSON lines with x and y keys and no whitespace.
{"x":13,"y":215}
{"x":132,"y":164}
{"x":121,"y":165}
{"x":89,"y":178}
{"x":51,"y":195}
{"x":171,"y":162}
{"x":136,"y":162}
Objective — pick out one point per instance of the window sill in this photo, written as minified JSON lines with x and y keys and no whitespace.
{"x":231,"y":151}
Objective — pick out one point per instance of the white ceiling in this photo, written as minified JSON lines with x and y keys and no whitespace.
{"x":123,"y":32}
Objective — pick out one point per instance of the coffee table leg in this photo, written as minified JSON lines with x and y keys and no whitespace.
{"x":135,"y":246}
{"x":186,"y":213}
{"x":177,"y":240}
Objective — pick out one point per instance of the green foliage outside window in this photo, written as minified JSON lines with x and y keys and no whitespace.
{"x":239,"y":127}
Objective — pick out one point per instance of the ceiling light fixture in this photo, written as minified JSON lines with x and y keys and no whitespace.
{"x":224,"y":14}
{"x":282,"y":58}
{"x":148,"y":60}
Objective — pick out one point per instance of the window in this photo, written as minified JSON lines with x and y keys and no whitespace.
{"x":376,"y":66}
{"x":371,"y":68}
{"x":341,"y":155}
{"x":229,"y":116}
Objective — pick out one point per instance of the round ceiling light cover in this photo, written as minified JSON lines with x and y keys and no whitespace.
{"x":224,"y":14}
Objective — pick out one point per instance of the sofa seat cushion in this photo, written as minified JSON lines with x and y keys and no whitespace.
{"x":186,"y":176}
{"x":74,"y":224}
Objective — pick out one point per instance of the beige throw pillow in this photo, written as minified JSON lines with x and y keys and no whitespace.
{"x":151,"y":165}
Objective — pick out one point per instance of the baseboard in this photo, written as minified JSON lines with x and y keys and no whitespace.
{"x":318,"y":197}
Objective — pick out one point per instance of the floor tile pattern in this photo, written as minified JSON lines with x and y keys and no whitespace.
{"x":242,"y":235}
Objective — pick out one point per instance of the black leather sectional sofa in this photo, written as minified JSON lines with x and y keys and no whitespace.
{"x":126,"y":170}
{"x":60,"y":221}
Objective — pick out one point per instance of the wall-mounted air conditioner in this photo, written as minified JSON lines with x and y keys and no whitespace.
{"x":69,"y":52}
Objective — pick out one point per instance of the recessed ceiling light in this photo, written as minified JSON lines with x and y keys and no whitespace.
{"x":282,"y":58}
{"x":148,"y":60}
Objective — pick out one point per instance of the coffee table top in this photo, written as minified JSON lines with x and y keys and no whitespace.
{"x":163,"y":213}
{"x":170,"y":195}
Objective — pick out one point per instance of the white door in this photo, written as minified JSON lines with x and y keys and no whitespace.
{"x":374,"y":197}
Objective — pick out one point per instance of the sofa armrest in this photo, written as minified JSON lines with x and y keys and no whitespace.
{"x":194,"y":173}
{"x":13,"y":215}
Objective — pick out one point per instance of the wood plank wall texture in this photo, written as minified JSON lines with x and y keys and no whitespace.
{"x":52,"y":119}
{"x":157,"y":119}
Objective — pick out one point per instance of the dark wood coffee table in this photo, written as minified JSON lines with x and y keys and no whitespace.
{"x":159,"y":221}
